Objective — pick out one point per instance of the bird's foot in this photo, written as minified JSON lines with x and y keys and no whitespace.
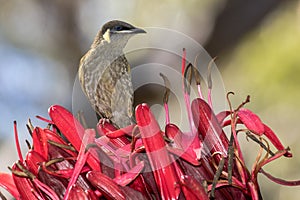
{"x":102,"y":121}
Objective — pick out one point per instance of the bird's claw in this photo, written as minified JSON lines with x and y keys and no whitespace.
{"x":102,"y":121}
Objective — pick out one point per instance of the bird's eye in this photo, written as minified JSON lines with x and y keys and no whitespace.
{"x":118,"y":28}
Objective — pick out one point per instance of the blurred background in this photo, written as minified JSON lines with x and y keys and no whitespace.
{"x":256,"y":42}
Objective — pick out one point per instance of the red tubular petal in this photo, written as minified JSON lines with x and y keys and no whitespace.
{"x":227,"y":123}
{"x":25,"y":187}
{"x":7,"y":182}
{"x":251,"y":121}
{"x":275,"y":140}
{"x":117,"y":136}
{"x":208,"y":127}
{"x":105,"y":128}
{"x":62,"y":173}
{"x":88,"y":138}
{"x":106,"y":185}
{"x":192,"y":189}
{"x":129,"y":176}
{"x":46,"y":189}
{"x":111,"y":190}
{"x":161,"y":164}
{"x":110,"y":131}
{"x":51,"y":185}
{"x":65,"y":165}
{"x":91,"y":195}
{"x":189,"y":143}
{"x":77,"y":192}
{"x":280,"y":181}
{"x":253,"y":190}
{"x":277,"y":155}
{"x":175,"y":134}
{"x":67,"y":124}
{"x":72,"y":130}
{"x":222,"y":116}
{"x":40,"y":144}
{"x":17,"y":142}
{"x":142,"y":185}
{"x":44,"y":119}
{"x":185,"y":155}
{"x":56,"y":138}
{"x":133,"y":194}
{"x":33,"y":160}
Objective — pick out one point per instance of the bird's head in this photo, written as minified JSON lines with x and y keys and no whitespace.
{"x":117,"y":32}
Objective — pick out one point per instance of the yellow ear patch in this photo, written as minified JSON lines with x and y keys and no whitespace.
{"x":106,"y":35}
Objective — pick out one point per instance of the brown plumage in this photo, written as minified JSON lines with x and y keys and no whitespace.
{"x":104,"y":73}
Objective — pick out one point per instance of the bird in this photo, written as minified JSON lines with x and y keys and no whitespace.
{"x":104,"y":73}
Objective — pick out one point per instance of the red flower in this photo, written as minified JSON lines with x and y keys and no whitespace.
{"x":67,"y":161}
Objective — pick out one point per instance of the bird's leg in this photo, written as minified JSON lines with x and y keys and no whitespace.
{"x":102,"y":121}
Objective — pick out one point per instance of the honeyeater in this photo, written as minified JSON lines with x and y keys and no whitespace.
{"x":104,"y":73}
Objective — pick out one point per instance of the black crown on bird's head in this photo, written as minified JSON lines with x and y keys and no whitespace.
{"x":117,"y":26}
{"x":116,"y":29}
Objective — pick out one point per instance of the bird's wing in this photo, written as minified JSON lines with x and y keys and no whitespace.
{"x":114,"y":93}
{"x":122,"y":95}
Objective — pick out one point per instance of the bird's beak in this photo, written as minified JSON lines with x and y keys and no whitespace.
{"x":137,"y":30}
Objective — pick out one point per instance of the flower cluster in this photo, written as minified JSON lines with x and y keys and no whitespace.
{"x":141,"y":161}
